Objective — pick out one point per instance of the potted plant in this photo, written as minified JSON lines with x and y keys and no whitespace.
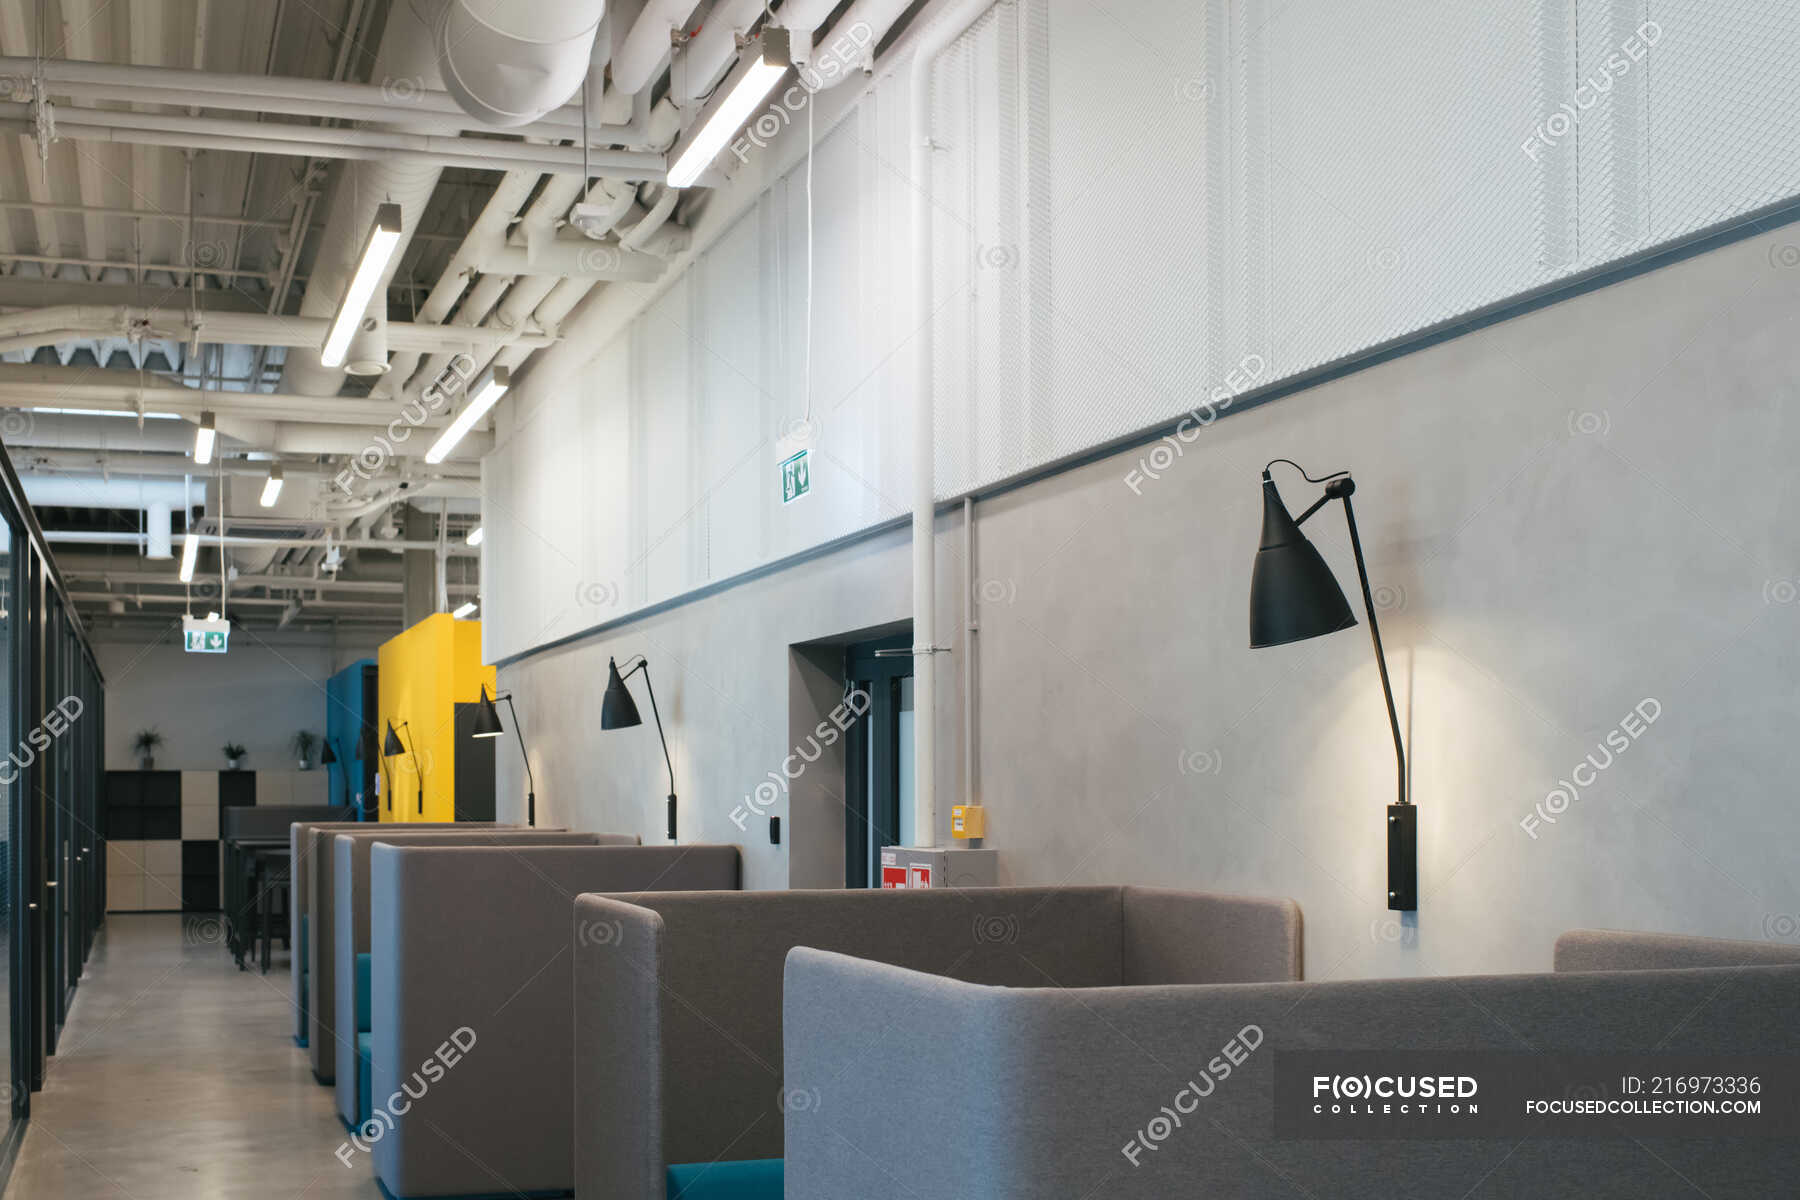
{"x":304,"y":744}
{"x":145,"y":743}
{"x":234,"y":756}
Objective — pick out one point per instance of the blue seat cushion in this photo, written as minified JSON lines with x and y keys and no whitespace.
{"x":752,"y":1179}
{"x":364,"y":967}
{"x":365,"y":1078}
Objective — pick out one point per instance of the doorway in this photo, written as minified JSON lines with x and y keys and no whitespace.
{"x":878,"y":769}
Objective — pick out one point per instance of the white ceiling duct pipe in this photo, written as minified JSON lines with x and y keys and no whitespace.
{"x":848,"y":50}
{"x":29,"y":329}
{"x":508,"y":62}
{"x":496,"y":217}
{"x":639,"y":235}
{"x":157,"y":499}
{"x":646,"y":47}
{"x":705,"y":58}
{"x":406,"y":54}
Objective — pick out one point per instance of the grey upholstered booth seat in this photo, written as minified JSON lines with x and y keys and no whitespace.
{"x":1618,"y":950}
{"x":483,"y":939}
{"x":350,"y":909}
{"x":303,"y":899}
{"x":321,"y":959}
{"x":678,"y":1033}
{"x":1025,"y":1093}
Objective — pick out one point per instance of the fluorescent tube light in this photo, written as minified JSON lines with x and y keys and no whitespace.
{"x":190,"y":551}
{"x":758,"y":70}
{"x":465,"y":609}
{"x":378,"y":248}
{"x":484,"y":395}
{"x":104,"y":412}
{"x":475,"y":536}
{"x":272,"y":489}
{"x":204,"y":438}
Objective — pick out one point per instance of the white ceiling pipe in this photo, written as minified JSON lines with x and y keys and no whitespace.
{"x":87,"y":537}
{"x":707,"y":55}
{"x":31,"y":328}
{"x":496,"y":216}
{"x":180,"y":86}
{"x":636,"y":61}
{"x":488,"y":253}
{"x":97,"y":491}
{"x":508,"y":62}
{"x":108,"y":463}
{"x":863,"y":25}
{"x":638,"y":236}
{"x":405,"y":54}
{"x":477,"y":154}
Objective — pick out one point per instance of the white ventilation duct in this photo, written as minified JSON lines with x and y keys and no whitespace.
{"x":157,"y":499}
{"x":508,"y":62}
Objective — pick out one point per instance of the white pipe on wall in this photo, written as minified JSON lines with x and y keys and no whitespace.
{"x":648,"y":44}
{"x":935,"y":40}
{"x":30,"y":328}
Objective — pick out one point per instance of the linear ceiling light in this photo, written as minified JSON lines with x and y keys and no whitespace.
{"x":272,"y":489}
{"x":760,"y":67}
{"x":465,"y":609}
{"x":204,"y":438}
{"x":484,"y":395}
{"x":377,"y":249}
{"x":475,"y":536}
{"x":105,"y":412}
{"x":190,"y":551}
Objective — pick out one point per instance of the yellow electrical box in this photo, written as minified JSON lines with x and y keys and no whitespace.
{"x":968,"y":821}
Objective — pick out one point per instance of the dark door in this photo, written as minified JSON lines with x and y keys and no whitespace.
{"x":878,"y":756}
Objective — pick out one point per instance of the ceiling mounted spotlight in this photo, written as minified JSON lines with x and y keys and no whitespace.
{"x":204,"y":437}
{"x":272,"y":489}
{"x":759,"y":68}
{"x":464,"y":610}
{"x":378,"y":248}
{"x":475,"y":536}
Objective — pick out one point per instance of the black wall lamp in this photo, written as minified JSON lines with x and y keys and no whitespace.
{"x":328,"y":758}
{"x":619,"y":711}
{"x":487,"y":725}
{"x":390,"y":746}
{"x":1294,"y":596}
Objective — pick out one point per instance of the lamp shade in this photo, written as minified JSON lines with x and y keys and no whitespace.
{"x":617,"y":710}
{"x":1293,"y":594}
{"x":329,"y":756}
{"x":390,"y":745}
{"x":487,"y":718}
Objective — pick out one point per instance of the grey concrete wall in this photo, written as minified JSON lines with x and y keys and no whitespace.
{"x":1565,"y":515}
{"x":258,"y":694}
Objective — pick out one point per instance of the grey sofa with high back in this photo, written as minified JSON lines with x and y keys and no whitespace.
{"x":321,"y":956}
{"x":1024,"y":1093}
{"x":483,"y":940}
{"x":678,"y":997}
{"x":350,"y":912}
{"x":303,"y":898}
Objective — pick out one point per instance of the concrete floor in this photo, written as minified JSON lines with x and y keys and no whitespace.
{"x":177,"y":1079}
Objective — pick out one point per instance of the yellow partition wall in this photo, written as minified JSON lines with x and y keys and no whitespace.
{"x":424,"y":674}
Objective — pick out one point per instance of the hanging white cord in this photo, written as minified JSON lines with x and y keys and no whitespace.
{"x":809,"y":267}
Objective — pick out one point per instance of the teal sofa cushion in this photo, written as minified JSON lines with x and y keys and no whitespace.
{"x":753,"y":1179}
{"x":365,"y":1079}
{"x":363,"y":968}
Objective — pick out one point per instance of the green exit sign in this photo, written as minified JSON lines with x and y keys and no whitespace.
{"x":205,"y":636}
{"x":796,"y":477}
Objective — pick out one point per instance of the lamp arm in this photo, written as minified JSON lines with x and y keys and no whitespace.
{"x":1387,"y":691}
{"x":530,"y":783}
{"x":667,"y":761}
{"x":419,"y":772}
